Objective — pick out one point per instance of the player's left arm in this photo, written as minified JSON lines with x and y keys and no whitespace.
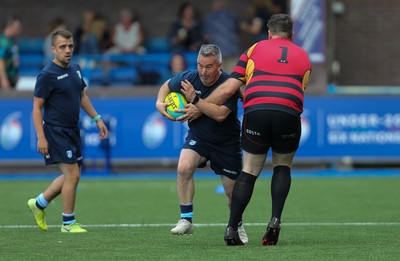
{"x":306,"y":79}
{"x":87,"y":106}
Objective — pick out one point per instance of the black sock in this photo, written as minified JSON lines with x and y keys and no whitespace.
{"x":241,"y":195}
{"x":280,"y":186}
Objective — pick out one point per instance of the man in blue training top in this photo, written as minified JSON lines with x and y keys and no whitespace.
{"x":59,"y":93}
{"x":213,"y":137}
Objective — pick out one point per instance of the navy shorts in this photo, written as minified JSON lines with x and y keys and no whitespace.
{"x":225,"y":159}
{"x":64,"y":145}
{"x":263,"y":129}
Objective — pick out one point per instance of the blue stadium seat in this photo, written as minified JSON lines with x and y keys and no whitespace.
{"x":31,"y":45}
{"x":158,"y":45}
{"x":30,"y":64}
{"x":191,"y":58}
{"x":126,"y":76}
{"x":96,"y":77}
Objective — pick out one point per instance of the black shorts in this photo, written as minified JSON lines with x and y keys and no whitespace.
{"x":64,"y":145}
{"x":225,"y":159}
{"x":263,"y":129}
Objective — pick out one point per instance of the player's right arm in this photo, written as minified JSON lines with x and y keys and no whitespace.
{"x":4,"y":82}
{"x":225,"y":91}
{"x":42,"y":145}
{"x":160,"y":104}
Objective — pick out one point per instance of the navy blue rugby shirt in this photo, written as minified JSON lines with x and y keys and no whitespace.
{"x":61,"y":88}
{"x":227,"y":131}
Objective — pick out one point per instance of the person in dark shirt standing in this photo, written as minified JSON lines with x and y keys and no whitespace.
{"x":276,"y":74}
{"x":213,"y":137}
{"x":59,"y":93}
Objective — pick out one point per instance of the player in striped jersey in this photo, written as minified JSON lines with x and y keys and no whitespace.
{"x":275,"y":73}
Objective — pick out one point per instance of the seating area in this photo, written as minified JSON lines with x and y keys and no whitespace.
{"x":122,"y":70}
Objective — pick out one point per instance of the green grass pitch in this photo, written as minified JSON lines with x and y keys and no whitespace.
{"x":130,"y":219}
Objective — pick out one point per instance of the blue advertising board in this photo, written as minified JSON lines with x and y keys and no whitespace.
{"x":335,"y":127}
{"x":332,"y":127}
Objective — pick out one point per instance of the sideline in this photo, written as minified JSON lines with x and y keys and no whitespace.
{"x":305,"y":224}
{"x":362,"y":173}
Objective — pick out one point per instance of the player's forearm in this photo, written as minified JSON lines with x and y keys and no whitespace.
{"x":216,"y":112}
{"x":221,"y":94}
{"x":87,"y":106}
{"x":3,"y":74}
{"x":38,"y":122}
{"x":163,"y":92}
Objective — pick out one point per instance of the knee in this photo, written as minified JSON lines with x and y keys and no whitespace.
{"x":75,"y":177}
{"x":282,"y":159}
{"x":282,"y":169}
{"x":185,"y":169}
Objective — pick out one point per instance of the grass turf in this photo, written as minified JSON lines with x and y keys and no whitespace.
{"x":130,"y":219}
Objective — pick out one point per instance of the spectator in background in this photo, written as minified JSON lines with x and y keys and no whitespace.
{"x":259,"y":12}
{"x":127,"y":35}
{"x":177,"y":64}
{"x":58,"y":23}
{"x":102,"y":33}
{"x":97,"y":39}
{"x":81,"y":33}
{"x":9,"y":53}
{"x":186,"y":32}
{"x":221,"y":27}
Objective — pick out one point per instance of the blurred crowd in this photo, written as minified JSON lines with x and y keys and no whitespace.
{"x":188,"y":31}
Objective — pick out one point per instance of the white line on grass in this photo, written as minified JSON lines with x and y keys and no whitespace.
{"x":224,"y":224}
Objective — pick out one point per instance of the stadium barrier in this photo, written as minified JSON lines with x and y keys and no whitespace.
{"x":334,"y":129}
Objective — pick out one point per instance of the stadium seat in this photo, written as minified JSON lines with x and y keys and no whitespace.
{"x":31,"y":45}
{"x":125,"y":76}
{"x":158,"y":45}
{"x":191,"y":58}
{"x":96,"y":77}
{"x":30,"y":64}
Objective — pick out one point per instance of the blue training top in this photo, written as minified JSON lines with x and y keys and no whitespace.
{"x":206,"y":128}
{"x":62,"y":90}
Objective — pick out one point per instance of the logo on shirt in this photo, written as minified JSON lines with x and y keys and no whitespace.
{"x":251,"y":132}
{"x":69,"y":154}
{"x":62,"y":76}
{"x":192,"y":142}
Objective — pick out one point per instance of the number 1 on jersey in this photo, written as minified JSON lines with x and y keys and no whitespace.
{"x":283,"y":55}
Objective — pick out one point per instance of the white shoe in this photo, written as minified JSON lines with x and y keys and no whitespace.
{"x":183,"y":227}
{"x":242,"y":234}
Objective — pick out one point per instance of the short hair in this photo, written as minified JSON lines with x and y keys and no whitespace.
{"x":63,"y":33}
{"x":281,"y":24}
{"x":210,"y":50}
{"x":10,"y":20}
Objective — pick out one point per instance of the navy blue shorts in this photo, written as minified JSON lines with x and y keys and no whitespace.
{"x":263,"y":129}
{"x":64,"y":145}
{"x":225,"y":159}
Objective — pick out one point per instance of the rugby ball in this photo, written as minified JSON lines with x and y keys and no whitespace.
{"x":177,"y":102}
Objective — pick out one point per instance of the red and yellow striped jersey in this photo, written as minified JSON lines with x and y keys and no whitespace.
{"x":276,"y":73}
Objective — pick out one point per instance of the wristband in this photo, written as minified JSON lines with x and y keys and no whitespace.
{"x":95,"y":119}
{"x":195,"y":100}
